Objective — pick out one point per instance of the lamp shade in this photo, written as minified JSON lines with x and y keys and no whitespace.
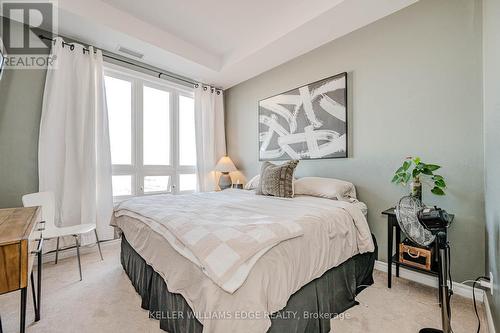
{"x":225,"y":165}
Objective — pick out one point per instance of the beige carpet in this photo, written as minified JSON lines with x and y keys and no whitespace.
{"x":105,"y":301}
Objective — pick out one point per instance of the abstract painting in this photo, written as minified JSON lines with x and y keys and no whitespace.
{"x":309,"y":122}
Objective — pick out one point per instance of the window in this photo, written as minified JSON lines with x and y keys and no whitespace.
{"x":151,"y":127}
{"x":187,"y":155}
{"x":156,"y":129}
{"x":119,"y":99}
{"x":187,"y":182}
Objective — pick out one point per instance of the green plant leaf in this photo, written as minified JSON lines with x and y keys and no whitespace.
{"x":415,"y":172}
{"x":407,"y":178}
{"x":401,"y":169}
{"x":416,"y":160}
{"x":437,"y":191}
{"x":401,"y":178}
{"x":395,"y":179}
{"x":426,"y":171}
{"x":406,"y":165}
{"x":437,"y":177}
{"x":432,"y":167}
{"x":440,"y":183}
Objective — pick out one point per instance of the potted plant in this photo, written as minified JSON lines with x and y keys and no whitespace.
{"x":415,"y":170}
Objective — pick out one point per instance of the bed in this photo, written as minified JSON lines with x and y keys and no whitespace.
{"x":303,"y":260}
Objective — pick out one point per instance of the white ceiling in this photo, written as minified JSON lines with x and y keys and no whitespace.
{"x":226,"y":26}
{"x":222,"y":42}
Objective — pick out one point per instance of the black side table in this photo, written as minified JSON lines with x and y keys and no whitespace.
{"x":393,"y":256}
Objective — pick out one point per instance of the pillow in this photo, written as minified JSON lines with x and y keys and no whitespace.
{"x":277,"y":180}
{"x":252,"y":183}
{"x":325,"y":188}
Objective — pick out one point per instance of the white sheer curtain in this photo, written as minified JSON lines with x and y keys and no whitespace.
{"x":74,"y":159}
{"x":210,"y":135}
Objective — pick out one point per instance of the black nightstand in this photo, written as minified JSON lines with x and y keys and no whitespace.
{"x":393,"y":256}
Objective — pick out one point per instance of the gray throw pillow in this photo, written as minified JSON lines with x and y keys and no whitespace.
{"x":277,"y":180}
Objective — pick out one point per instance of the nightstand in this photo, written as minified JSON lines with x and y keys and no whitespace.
{"x":393,"y":256}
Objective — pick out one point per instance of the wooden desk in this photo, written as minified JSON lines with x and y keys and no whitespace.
{"x":20,"y":242}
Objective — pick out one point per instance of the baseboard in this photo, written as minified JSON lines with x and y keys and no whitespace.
{"x":458,"y":288}
{"x":489,"y":315}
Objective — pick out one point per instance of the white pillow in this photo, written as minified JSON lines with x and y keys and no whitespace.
{"x":325,"y":188}
{"x":253,"y":183}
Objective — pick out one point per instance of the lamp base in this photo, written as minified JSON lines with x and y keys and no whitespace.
{"x":225,"y":181}
{"x":430,"y":330}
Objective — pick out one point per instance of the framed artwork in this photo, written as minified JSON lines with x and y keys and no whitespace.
{"x":2,"y":57}
{"x":309,"y":122}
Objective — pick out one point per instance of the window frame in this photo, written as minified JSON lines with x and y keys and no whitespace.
{"x":137,"y":169}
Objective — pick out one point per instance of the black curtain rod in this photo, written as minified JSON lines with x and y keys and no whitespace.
{"x":195,"y":84}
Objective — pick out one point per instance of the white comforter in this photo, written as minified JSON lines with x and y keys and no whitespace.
{"x":331,"y":232}
{"x":225,"y":233}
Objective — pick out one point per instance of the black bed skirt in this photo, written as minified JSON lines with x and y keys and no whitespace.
{"x":315,"y":303}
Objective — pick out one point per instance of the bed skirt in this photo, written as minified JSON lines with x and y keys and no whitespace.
{"x":315,"y":303}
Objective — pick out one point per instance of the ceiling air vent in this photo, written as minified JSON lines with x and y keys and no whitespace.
{"x":130,"y":52}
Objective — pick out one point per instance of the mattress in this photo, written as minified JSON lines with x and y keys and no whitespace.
{"x":279,"y":273}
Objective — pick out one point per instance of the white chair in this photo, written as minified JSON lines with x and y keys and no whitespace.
{"x":47,"y":202}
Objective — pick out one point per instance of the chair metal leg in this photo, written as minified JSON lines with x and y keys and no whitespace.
{"x":33,"y":293}
{"x":98,"y":244}
{"x":78,"y":255}
{"x":57,"y":250}
{"x":39,"y":287}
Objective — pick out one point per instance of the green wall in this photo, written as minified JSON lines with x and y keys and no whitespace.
{"x":415,"y":89}
{"x":21,"y":93}
{"x":491,"y":49}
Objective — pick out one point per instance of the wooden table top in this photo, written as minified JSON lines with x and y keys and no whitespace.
{"x":16,"y":223}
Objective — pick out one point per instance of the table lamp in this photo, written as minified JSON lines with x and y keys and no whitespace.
{"x":225,"y":166}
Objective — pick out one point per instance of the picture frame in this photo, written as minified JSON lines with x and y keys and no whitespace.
{"x":308,"y":122}
{"x":2,"y":58}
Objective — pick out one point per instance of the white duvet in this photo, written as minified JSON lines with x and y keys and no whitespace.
{"x":331,"y":232}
